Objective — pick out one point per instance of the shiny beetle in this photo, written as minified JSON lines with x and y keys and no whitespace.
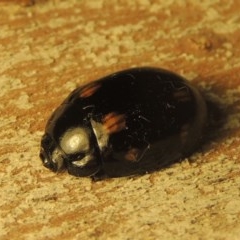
{"x":131,"y":122}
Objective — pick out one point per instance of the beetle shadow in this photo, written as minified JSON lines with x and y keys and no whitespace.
{"x":219,"y":112}
{"x":217,"y":118}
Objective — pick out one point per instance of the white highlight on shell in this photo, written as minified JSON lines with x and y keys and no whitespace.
{"x":82,"y":162}
{"x":75,"y":140}
{"x":101,"y":134}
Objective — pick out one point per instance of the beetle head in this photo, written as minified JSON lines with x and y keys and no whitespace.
{"x":73,"y":150}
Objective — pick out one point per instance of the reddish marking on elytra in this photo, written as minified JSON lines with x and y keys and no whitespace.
{"x":114,"y":122}
{"x":89,"y":90}
{"x":132,"y":154}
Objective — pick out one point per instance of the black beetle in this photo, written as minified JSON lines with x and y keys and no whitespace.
{"x":131,"y":122}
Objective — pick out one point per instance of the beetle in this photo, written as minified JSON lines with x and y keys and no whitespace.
{"x":131,"y":122}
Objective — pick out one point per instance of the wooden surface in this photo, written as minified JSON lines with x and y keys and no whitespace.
{"x":47,"y":48}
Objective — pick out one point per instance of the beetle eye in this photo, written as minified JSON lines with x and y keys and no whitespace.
{"x":57,"y":160}
{"x":75,"y":140}
{"x":54,"y":162}
{"x":44,"y":157}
